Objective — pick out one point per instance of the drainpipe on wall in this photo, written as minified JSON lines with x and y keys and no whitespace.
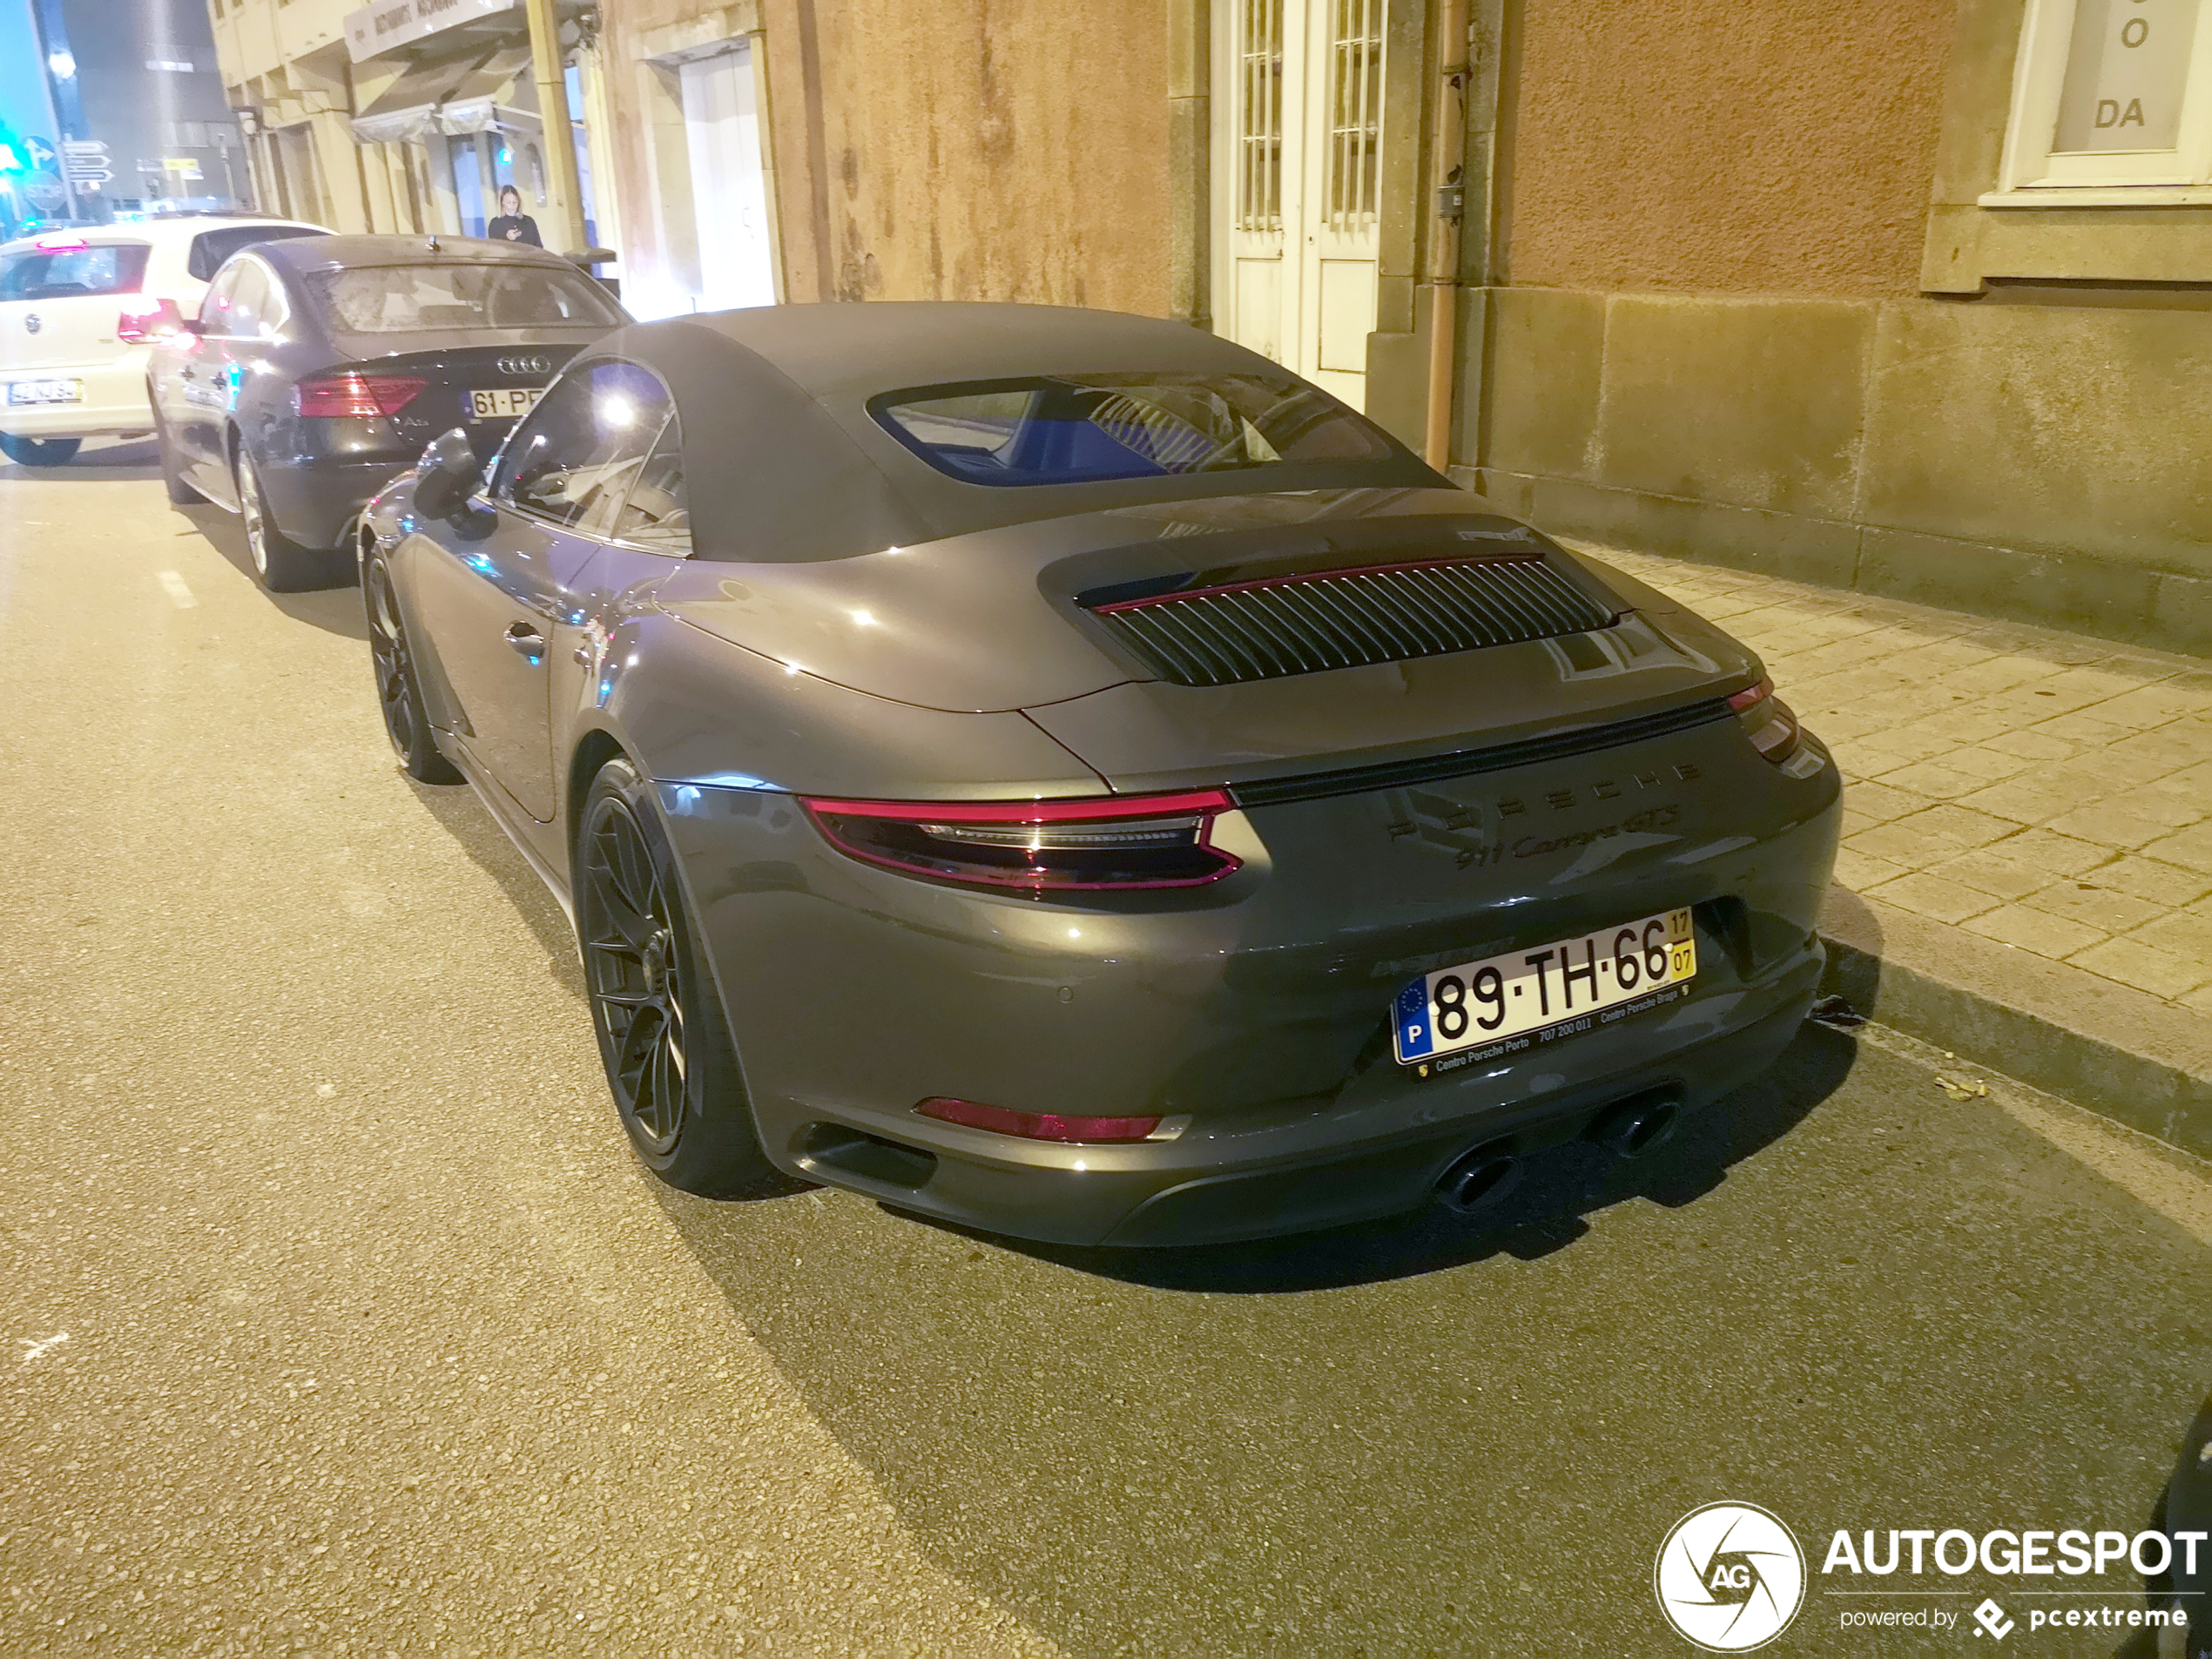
{"x":1448,"y":145}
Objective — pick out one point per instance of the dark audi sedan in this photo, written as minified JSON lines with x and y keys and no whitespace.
{"x":318,"y":368}
{"x":1062,"y":773}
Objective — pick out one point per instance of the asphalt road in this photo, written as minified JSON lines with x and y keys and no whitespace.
{"x":340,"y":1320}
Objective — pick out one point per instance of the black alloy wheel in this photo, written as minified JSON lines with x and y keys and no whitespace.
{"x":38,"y":452}
{"x":655,"y":1006}
{"x":399,"y":693}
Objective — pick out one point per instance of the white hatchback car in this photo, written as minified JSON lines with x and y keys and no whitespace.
{"x":79,"y":306}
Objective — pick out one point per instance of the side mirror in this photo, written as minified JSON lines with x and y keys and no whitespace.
{"x":447,"y":476}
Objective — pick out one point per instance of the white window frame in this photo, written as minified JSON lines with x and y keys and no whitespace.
{"x":2031,"y":176}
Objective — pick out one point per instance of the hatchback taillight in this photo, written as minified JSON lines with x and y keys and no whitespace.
{"x":148,"y":320}
{"x":1766,"y":720}
{"x":337,"y":395}
{"x":1124,"y":841}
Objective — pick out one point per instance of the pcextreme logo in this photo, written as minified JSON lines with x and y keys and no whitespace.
{"x":1730,"y":1577}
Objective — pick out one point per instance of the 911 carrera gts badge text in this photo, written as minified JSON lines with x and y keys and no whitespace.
{"x":1479,"y":832}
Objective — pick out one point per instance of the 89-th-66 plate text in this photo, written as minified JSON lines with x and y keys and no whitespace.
{"x":1502,"y":996}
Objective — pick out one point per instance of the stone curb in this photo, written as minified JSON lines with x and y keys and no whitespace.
{"x":2131,"y":1056}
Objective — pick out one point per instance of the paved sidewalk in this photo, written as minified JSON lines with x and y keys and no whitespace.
{"x":2045,"y":791}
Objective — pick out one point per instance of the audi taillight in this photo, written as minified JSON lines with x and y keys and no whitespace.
{"x":1038,"y":847}
{"x":333,"y":396}
{"x":1766,"y":720}
{"x":143,"y":320}
{"x":1036,"y":1126}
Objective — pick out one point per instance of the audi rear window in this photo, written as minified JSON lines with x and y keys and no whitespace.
{"x":70,"y":274}
{"x":1087,"y":428}
{"x":210,"y":248}
{"x":425,"y":298}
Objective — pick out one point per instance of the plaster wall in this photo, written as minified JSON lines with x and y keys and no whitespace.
{"x":1686,"y":145}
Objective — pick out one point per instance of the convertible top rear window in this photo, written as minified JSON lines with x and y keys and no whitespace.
{"x":423,"y":299}
{"x":1087,"y":428}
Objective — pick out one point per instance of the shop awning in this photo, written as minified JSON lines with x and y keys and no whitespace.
{"x":471,"y":94}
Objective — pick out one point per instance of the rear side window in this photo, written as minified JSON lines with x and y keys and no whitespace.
{"x":241,"y":303}
{"x":656,"y":516}
{"x":1083,"y":429}
{"x":421,"y":299}
{"x":573,"y":458}
{"x":68,"y":273}
{"x":210,"y":248}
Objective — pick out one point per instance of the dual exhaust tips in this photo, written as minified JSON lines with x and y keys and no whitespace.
{"x":1478,"y":1180}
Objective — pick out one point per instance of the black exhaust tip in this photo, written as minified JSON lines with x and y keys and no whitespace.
{"x":1636,"y":1126}
{"x":1478,"y":1180}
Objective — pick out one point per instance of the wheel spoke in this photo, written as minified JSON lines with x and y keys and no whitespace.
{"x":622,"y":912}
{"x":634,"y":868}
{"x":667,"y":1107}
{"x":673,"y":1014}
{"x":638,"y":1043}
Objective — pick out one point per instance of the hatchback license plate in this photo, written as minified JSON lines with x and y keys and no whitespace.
{"x":45,"y":392}
{"x":505,"y":403}
{"x":1523,"y":991}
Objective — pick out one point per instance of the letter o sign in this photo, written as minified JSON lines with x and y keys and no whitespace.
{"x":2135,"y":32}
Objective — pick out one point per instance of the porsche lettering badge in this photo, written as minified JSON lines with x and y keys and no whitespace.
{"x":1479,"y":831}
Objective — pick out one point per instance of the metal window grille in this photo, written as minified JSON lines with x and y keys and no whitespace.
{"x":1259,"y":131}
{"x":1355,"y":104}
{"x":1275,"y":627}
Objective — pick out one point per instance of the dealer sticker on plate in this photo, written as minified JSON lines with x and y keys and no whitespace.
{"x":1558,"y":989}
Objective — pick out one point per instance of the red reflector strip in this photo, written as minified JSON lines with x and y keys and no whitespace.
{"x":341,"y":396}
{"x":61,"y":245}
{"x":1750,"y":694}
{"x":1036,"y":1126}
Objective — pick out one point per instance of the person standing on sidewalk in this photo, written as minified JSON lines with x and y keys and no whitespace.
{"x":513,"y":224}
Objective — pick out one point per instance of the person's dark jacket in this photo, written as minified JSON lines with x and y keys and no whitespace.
{"x":499,"y":230}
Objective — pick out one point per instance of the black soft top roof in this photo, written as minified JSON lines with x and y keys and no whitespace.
{"x":783,"y":461}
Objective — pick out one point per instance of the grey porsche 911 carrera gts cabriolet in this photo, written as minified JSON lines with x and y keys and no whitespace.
{"x":1062,"y":773}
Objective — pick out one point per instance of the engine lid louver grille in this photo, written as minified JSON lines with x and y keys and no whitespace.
{"x":1280,"y":626}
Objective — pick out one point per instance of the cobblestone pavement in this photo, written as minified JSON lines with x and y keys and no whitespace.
{"x":2046,"y":790}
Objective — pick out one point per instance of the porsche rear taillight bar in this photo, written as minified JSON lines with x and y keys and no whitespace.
{"x":1120,"y":842}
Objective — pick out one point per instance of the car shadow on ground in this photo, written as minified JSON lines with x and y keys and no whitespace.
{"x":1544,"y":1213}
{"x":99,"y":462}
{"x":1235,"y":1450}
{"x":334,"y":610}
{"x":470,"y":824}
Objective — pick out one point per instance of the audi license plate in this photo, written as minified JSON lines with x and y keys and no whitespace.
{"x":20,"y":391}
{"x":504,"y":404}
{"x":1560,"y":989}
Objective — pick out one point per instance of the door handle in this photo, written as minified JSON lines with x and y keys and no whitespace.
{"x":526,"y":641}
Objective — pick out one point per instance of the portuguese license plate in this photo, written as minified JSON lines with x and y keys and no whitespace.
{"x":1560,"y":989}
{"x":503,"y":403}
{"x":21,"y":392}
